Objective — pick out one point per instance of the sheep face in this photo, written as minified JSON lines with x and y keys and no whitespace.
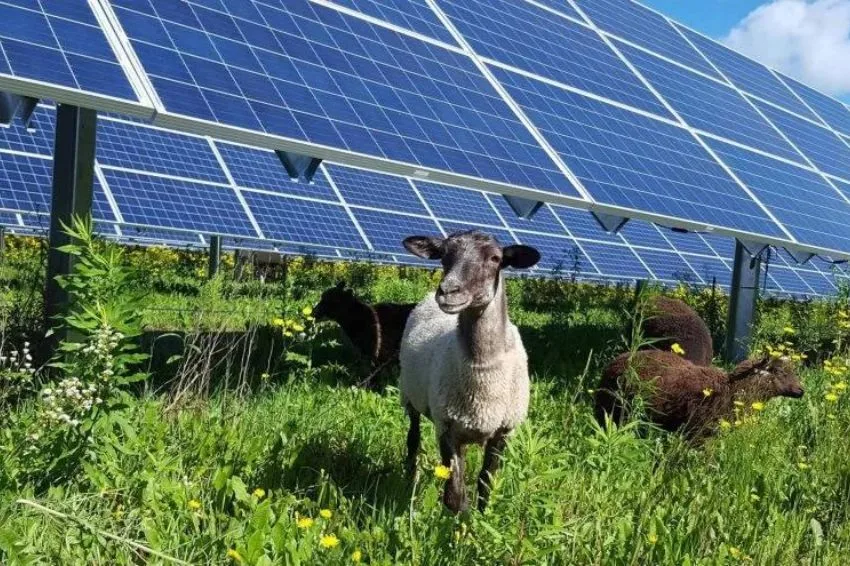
{"x":334,"y":300}
{"x":775,"y":376}
{"x":472,"y":262}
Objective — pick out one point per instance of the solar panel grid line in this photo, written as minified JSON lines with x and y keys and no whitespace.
{"x":679,"y":253}
{"x":506,"y":97}
{"x":389,"y":25}
{"x":323,"y":170}
{"x":126,"y":58}
{"x":683,"y":123}
{"x":569,"y":233}
{"x":104,"y":185}
{"x":427,"y":207}
{"x":248,"y":212}
{"x":556,"y":12}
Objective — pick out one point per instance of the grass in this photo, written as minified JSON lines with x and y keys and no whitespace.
{"x":244,"y":479}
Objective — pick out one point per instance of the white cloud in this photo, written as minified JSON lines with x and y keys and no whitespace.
{"x":809,"y":41}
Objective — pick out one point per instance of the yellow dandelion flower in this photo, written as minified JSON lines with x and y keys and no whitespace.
{"x":776,"y":353}
{"x":831,"y":397}
{"x":288,"y":334}
{"x":652,"y":538}
{"x":232,"y":553}
{"x":307,"y":311}
{"x":757,"y":406}
{"x":725,"y":425}
{"x":194,"y":504}
{"x":329,"y":541}
{"x":304,"y":523}
{"x":796,"y":357}
{"x":356,"y":556}
{"x":707,"y":392}
{"x":803,"y":465}
{"x":677,"y":349}
{"x":788,"y":330}
{"x":840,"y":386}
{"x":326,"y":513}
{"x":278,"y":322}
{"x":259,"y":493}
{"x":442,"y":472}
{"x":297,"y":328}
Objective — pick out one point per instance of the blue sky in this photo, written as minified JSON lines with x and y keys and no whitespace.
{"x":711,"y":17}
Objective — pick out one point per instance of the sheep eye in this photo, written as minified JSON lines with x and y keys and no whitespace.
{"x":496,"y":259}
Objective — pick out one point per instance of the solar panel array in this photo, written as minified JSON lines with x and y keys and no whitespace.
{"x":158,"y":186}
{"x":599,"y":104}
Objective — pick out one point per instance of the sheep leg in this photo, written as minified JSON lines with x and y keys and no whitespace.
{"x":492,"y":459}
{"x":453,"y":457}
{"x":413,"y":438}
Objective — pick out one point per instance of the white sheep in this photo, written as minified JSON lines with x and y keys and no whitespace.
{"x":462,"y":360}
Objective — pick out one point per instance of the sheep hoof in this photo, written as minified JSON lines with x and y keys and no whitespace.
{"x":456,"y":502}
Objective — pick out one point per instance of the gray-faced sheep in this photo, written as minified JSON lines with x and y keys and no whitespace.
{"x":375,"y":330}
{"x":463,"y":364}
{"x":682,"y":396}
{"x":669,"y":321}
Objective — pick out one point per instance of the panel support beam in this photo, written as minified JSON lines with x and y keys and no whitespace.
{"x":73,"y":182}
{"x":610,"y":222}
{"x":523,"y":207}
{"x":14,"y":105}
{"x":798,"y":256}
{"x":215,"y":256}
{"x":299,"y":167}
{"x":742,"y":303}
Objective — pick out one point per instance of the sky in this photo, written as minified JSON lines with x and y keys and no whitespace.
{"x":807,"y":39}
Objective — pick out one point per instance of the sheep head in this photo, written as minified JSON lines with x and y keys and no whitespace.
{"x":472,"y":262}
{"x":772,"y":376}
{"x":333,"y":301}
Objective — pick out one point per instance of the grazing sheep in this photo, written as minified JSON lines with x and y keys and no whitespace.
{"x":671,"y":321}
{"x":463,"y":364}
{"x":683,"y":396}
{"x":375,"y":330}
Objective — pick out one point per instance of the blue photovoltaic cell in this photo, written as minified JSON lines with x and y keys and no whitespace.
{"x":530,"y":38}
{"x":788,"y":281}
{"x":133,"y":146}
{"x":339,"y":81}
{"x":633,"y":161}
{"x":823,"y":147}
{"x":542,"y":221}
{"x":615,"y":261}
{"x":453,"y":203}
{"x":668,"y":266}
{"x":709,"y":268}
{"x":710,"y":106}
{"x":386,"y":230}
{"x":722,"y":245}
{"x":168,"y":203}
{"x":809,"y":208}
{"x":561,"y":7}
{"x":300,"y":221}
{"x":559,"y":256}
{"x":582,"y":224}
{"x":60,"y":42}
{"x":748,"y":75}
{"x":504,"y":237}
{"x":262,"y":169}
{"x":687,"y":242}
{"x":830,"y":110}
{"x":644,"y":27}
{"x":39,"y":140}
{"x":101,"y":210}
{"x":819,"y":283}
{"x":25,"y":183}
{"x":414,"y":15}
{"x":9,"y":219}
{"x":645,"y":234}
{"x":366,"y":188}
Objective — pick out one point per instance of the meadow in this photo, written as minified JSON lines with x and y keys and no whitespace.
{"x":215,"y":422}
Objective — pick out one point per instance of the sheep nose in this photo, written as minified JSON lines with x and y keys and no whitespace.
{"x":448,"y":287}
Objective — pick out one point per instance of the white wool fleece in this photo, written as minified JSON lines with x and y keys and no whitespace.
{"x":440,"y":380}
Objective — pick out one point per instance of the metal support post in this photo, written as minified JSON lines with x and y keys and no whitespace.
{"x":742,"y":304}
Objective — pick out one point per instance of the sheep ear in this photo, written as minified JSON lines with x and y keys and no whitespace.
{"x":519,"y":257}
{"x":748,"y":368}
{"x":425,"y":247}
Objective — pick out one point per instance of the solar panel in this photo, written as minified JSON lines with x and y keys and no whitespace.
{"x":748,"y":75}
{"x":529,"y":38}
{"x":414,"y":15}
{"x":710,"y":269}
{"x":824,"y":148}
{"x":59,"y":50}
{"x":542,"y":221}
{"x":581,"y":224}
{"x":560,"y":257}
{"x":615,"y":261}
{"x":644,"y":27}
{"x":636,"y":162}
{"x":785,"y":279}
{"x":806,"y":205}
{"x":367,"y":188}
{"x":688,"y":242}
{"x":386,"y":230}
{"x":668,"y":266}
{"x":710,"y":106}
{"x":453,"y":203}
{"x":644,"y":234}
{"x":830,"y":110}
{"x":340,"y":82}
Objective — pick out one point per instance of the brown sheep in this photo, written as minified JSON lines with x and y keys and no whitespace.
{"x":375,"y":330}
{"x":669,"y":321}
{"x":682,"y":396}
